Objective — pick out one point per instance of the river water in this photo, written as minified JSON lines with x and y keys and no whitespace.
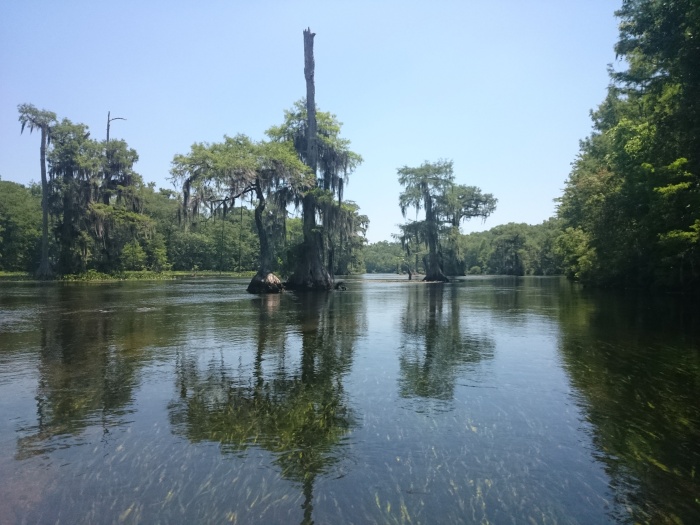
{"x":485,"y":400}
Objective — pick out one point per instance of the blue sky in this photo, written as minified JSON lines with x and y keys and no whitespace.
{"x":501,"y":87}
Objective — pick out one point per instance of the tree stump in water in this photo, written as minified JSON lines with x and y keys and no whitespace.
{"x":437,"y":277}
{"x":265,"y":282}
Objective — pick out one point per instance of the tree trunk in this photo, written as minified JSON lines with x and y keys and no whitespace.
{"x":44,"y":271}
{"x":66,"y":234}
{"x":309,"y":68}
{"x":264,"y":281}
{"x":310,"y":274}
{"x":433,"y":272}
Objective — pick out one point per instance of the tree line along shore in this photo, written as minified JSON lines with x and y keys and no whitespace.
{"x":629,"y":215}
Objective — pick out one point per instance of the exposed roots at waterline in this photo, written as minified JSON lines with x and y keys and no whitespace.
{"x":265,"y":282}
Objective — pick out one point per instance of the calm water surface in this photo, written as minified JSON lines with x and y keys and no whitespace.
{"x":487,"y":400}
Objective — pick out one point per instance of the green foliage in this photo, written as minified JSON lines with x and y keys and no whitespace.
{"x":114,"y":227}
{"x":541,"y":245}
{"x":133,"y":256}
{"x":431,"y":188}
{"x":513,"y":249}
{"x":20,"y":227}
{"x":162,"y":207}
{"x":293,"y":246}
{"x":191,"y":250}
{"x":335,"y":159}
{"x":90,"y":275}
{"x":73,"y":164}
{"x":35,"y":119}
{"x":509,"y":249}
{"x":578,"y":257}
{"x":338,"y":229}
{"x":234,"y":241}
{"x":507,"y":252}
{"x":632,"y":200}
{"x":227,"y":245}
{"x":95,"y":199}
{"x":349,"y":239}
{"x":213,"y":176}
{"x":101,"y":219}
{"x":384,"y":257}
{"x":157,"y":254}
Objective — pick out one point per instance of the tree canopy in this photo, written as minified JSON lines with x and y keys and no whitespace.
{"x":631,"y":206}
{"x":215,"y":175}
{"x":325,"y":219}
{"x":431,"y":188}
{"x":232,"y":213}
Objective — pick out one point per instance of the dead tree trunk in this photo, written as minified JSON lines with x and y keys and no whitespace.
{"x":309,"y":71}
{"x":310,"y":273}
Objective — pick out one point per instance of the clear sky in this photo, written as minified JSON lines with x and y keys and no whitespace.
{"x":501,"y":87}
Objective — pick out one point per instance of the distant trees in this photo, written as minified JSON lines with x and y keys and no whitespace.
{"x":349,"y":243}
{"x":20,"y":227}
{"x":384,"y":257}
{"x":507,"y":249}
{"x":431,"y":187}
{"x":512,"y":249}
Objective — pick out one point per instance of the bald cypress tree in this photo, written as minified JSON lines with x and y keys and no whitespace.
{"x":310,"y":273}
{"x":431,"y":188}
{"x":316,"y":137}
{"x":41,"y":120}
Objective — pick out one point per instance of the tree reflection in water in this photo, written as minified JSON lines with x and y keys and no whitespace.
{"x":85,"y":379}
{"x":435,"y":348}
{"x":298,"y":412}
{"x":632,"y":361}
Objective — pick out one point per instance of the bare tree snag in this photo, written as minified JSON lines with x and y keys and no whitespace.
{"x":310,"y":273}
{"x":312,"y":130}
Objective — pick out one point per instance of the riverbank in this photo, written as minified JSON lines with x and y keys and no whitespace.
{"x":94,"y":276}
